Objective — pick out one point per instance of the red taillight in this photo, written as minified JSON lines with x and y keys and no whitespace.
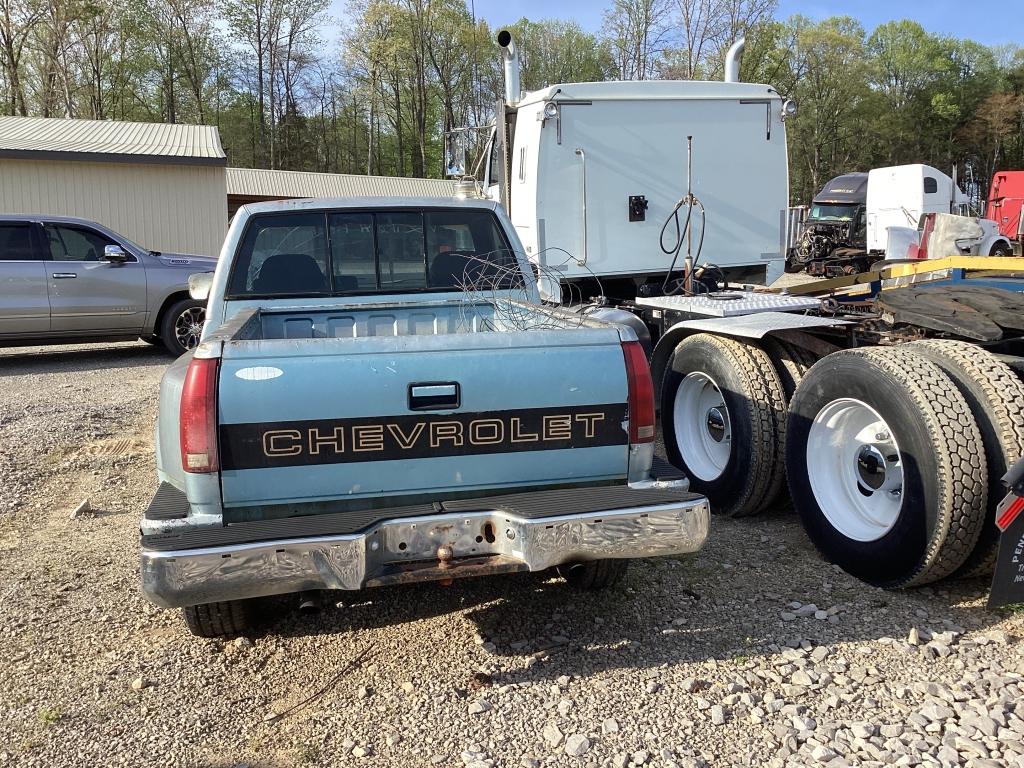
{"x":199,"y":417}
{"x":641,"y":393}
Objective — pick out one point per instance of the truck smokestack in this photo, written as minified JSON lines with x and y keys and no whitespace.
{"x":732,"y":61}
{"x":510,"y":56}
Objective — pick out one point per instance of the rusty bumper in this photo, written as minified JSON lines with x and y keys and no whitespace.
{"x":430,"y":548}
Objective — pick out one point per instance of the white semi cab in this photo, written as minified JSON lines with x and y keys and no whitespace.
{"x":593,"y":171}
{"x":899,"y":195}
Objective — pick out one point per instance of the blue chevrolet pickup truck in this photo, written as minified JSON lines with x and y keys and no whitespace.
{"x":379,"y":396}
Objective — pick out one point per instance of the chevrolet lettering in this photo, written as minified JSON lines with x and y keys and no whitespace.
{"x":411,"y":430}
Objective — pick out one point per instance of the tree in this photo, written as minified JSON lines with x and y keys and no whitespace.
{"x":637,"y":31}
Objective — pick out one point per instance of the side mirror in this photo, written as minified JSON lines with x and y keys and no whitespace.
{"x":115,"y":254}
{"x":199,"y":285}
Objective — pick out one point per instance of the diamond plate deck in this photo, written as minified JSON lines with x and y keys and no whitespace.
{"x":731,"y":303}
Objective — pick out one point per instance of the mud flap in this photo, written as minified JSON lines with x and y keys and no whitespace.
{"x":1008,"y":580}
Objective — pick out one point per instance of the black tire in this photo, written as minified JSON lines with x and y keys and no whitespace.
{"x":593,"y":575}
{"x":756,"y":407}
{"x":943,"y":494}
{"x":790,"y":361}
{"x":996,"y":397}
{"x":176,"y":338}
{"x":224,"y":619}
{"x":1001,"y":249}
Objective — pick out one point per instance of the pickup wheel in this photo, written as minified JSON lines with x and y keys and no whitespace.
{"x":181,"y":325}
{"x":886,"y":466}
{"x":593,"y":574}
{"x":996,"y":398}
{"x":723,"y":417}
{"x":224,"y":619}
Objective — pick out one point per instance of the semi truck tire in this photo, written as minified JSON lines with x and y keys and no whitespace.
{"x":886,"y":466}
{"x":593,"y":575}
{"x":790,"y":361}
{"x":996,"y":397}
{"x":223,"y":619}
{"x":723,"y":418}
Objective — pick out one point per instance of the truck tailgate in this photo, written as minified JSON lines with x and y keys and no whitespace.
{"x":313,"y":421}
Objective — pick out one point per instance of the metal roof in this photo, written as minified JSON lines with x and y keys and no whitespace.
{"x":366,"y":202}
{"x":255,"y":182}
{"x":109,"y":140}
{"x":651,"y":90}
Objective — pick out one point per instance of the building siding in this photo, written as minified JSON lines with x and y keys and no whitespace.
{"x":174,"y":208}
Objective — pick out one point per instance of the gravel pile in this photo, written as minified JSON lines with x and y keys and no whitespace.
{"x":752,"y":653}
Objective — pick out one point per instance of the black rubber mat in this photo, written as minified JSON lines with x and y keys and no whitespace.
{"x":168,"y":504}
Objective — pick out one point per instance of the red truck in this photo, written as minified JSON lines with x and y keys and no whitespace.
{"x":1005,"y":200}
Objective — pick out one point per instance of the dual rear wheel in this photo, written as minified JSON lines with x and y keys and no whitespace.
{"x":889,"y":453}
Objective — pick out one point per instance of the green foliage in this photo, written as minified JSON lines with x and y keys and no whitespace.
{"x":288,"y":89}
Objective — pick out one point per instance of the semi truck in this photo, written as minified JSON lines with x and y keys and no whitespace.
{"x":889,"y":417}
{"x":852,"y":221}
{"x":1005,"y":201}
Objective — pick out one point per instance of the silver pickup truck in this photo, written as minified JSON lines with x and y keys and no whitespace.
{"x":379,"y":397}
{"x":65,"y":280}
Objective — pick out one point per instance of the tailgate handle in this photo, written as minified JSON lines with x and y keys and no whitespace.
{"x":434,"y":396}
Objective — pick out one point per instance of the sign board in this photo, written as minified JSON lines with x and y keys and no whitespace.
{"x":1008,"y":580}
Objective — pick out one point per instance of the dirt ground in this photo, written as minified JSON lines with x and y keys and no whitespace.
{"x":753,"y":652}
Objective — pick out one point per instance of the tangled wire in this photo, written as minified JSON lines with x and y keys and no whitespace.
{"x":498,"y":296}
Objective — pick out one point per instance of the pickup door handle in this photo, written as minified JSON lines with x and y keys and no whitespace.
{"x":435,"y":396}
{"x":64,"y":275}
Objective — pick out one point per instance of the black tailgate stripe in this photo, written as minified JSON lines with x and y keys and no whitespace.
{"x":419,"y":436}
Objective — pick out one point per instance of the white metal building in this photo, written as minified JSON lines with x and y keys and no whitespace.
{"x":165,"y":186}
{"x":161,"y":185}
{"x":253,"y":185}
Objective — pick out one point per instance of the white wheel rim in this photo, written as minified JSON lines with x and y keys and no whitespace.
{"x":855,"y":469}
{"x":702,"y":426}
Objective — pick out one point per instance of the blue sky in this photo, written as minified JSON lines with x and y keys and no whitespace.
{"x":991,"y":22}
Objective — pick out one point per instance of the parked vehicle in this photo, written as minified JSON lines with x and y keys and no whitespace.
{"x":855,"y":216}
{"x":835,"y":224}
{"x":66,"y":280}
{"x":593,"y":176}
{"x":354,"y":417}
{"x":940,"y":235}
{"x":890,"y":450}
{"x":1005,"y":202}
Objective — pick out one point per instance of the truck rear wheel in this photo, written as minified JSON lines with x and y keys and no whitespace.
{"x":996,"y":398}
{"x":593,"y":575}
{"x":723,"y":418}
{"x":886,"y":466}
{"x":223,"y":619}
{"x":791,"y":362}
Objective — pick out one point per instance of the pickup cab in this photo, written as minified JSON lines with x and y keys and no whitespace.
{"x":380,"y":397}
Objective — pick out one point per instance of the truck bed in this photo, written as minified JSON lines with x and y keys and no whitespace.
{"x":500,"y":315}
{"x":324,"y":408}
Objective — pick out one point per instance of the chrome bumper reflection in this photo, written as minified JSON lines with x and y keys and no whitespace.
{"x":420,"y":549}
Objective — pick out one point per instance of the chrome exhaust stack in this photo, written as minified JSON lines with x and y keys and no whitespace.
{"x":732,"y":61}
{"x":510,"y":57}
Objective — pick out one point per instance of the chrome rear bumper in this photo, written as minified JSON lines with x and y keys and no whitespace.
{"x":443,"y":546}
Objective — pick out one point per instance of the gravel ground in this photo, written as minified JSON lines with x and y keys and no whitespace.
{"x":753,"y":652}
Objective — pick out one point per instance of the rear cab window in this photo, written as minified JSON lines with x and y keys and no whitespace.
{"x":337,"y":253}
{"x":16,"y":243}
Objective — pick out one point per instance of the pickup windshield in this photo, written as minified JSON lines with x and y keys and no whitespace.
{"x":328,"y":253}
{"x":832,"y":212}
